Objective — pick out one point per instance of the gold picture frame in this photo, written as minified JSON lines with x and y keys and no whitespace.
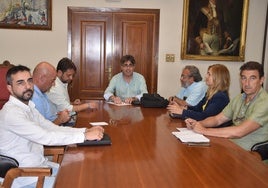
{"x":214,"y":32}
{"x":26,"y":14}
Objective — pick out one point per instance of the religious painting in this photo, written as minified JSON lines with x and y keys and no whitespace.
{"x":214,"y":30}
{"x":25,"y":14}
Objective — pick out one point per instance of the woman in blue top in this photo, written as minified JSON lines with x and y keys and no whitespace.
{"x":216,"y":98}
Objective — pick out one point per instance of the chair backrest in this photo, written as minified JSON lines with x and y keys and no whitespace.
{"x":4,"y":94}
{"x":10,"y":170}
{"x":262,"y":149}
{"x":6,"y":163}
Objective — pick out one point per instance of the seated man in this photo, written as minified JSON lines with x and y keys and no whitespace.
{"x":24,"y":130}
{"x":216,"y":98}
{"x":193,"y":89}
{"x":126,"y":86}
{"x":248,"y":111}
{"x":58,"y":94}
{"x":44,"y":76}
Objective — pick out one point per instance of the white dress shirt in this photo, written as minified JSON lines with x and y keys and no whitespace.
{"x":24,"y":131}
{"x":59,"y":95}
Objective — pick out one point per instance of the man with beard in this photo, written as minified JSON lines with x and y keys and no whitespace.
{"x":193,"y":88}
{"x":126,"y":86}
{"x":24,"y":130}
{"x":58,"y":94}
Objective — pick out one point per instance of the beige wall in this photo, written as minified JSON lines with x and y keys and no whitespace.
{"x":28,"y":47}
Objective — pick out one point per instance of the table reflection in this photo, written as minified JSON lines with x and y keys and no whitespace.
{"x":122,"y":115}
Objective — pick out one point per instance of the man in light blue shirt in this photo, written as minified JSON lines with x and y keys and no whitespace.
{"x":44,"y":76}
{"x":193,"y":88}
{"x":126,"y":86}
{"x":43,"y":105}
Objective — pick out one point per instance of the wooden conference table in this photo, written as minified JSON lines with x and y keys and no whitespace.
{"x":144,"y":153}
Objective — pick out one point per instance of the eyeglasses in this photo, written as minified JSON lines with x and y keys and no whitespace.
{"x":185,"y":76}
{"x":128,"y":65}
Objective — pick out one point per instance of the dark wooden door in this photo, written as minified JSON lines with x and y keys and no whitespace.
{"x":98,"y":38}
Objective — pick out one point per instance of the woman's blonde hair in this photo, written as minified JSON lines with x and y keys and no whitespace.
{"x":221,"y":80}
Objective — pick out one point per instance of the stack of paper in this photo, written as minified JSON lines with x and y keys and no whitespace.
{"x":190,"y":137}
{"x":121,"y":104}
{"x":98,"y":123}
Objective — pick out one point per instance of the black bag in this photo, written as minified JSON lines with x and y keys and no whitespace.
{"x":153,"y":101}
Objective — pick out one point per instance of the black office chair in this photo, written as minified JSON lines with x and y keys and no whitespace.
{"x":262,"y":149}
{"x":7,"y":163}
{"x":9,"y":170}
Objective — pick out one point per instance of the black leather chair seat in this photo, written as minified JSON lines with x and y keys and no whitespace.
{"x":7,"y":163}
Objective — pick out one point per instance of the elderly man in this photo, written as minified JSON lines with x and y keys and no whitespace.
{"x":248,"y":111}
{"x":193,"y":88}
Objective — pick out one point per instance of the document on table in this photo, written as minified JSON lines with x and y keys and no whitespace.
{"x":121,"y":104}
{"x":190,"y":137}
{"x":98,"y":123}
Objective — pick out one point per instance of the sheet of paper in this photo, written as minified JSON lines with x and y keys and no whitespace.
{"x":189,"y":136}
{"x":121,"y":104}
{"x":98,"y":123}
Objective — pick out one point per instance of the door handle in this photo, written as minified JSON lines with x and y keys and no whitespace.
{"x":109,"y":71}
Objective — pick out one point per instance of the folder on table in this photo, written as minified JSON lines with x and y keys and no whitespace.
{"x":191,"y":138}
{"x":106,"y":140}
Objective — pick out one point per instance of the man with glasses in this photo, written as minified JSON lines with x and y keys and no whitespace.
{"x":126,"y":86}
{"x":193,"y":88}
{"x":248,"y":111}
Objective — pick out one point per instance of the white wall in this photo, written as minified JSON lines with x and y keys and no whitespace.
{"x":28,"y":47}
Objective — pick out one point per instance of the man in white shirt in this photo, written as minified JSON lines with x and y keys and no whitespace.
{"x":59,"y":95}
{"x":24,"y":130}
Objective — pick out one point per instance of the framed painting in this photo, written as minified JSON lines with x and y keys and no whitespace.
{"x":214,"y":30}
{"x":26,"y":14}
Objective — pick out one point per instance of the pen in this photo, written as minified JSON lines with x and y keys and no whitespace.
{"x":198,"y":144}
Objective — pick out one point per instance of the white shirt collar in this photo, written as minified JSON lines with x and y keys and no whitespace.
{"x":22,"y":105}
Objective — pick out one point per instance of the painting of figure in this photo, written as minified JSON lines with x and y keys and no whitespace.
{"x":25,"y":14}
{"x":214,"y":29}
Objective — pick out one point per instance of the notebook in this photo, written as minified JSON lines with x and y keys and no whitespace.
{"x":191,"y":138}
{"x":106,"y":140}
